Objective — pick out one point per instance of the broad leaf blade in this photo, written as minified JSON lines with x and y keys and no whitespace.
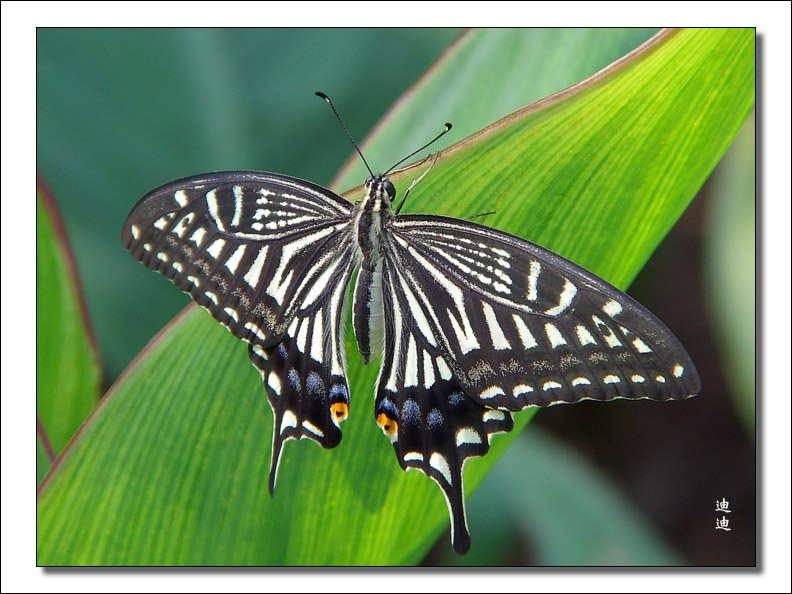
{"x":485,"y":76}
{"x":558,"y":173}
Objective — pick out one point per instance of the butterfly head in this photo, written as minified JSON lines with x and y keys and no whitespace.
{"x":379,"y":187}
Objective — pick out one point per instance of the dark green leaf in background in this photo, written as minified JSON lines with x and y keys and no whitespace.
{"x":540,"y":481}
{"x":121,"y":111}
{"x":731,"y":253}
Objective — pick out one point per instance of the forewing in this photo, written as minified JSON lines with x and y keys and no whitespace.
{"x":521,"y":326}
{"x":270,"y":257}
{"x":245,"y":245}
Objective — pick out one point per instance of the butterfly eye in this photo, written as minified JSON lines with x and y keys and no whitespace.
{"x":389,"y":189}
{"x":389,"y":426}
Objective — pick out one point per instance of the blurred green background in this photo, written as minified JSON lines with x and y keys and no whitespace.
{"x":120,"y":112}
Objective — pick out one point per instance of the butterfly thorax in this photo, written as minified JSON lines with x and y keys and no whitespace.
{"x":370,"y":216}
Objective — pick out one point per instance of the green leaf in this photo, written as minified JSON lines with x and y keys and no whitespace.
{"x":67,"y":370}
{"x":171,"y":469}
{"x":486,"y":75}
{"x":731,"y":264}
{"x":44,"y":454}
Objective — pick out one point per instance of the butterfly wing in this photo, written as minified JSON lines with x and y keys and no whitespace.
{"x":481,"y":323}
{"x":270,"y":257}
{"x":522,"y":326}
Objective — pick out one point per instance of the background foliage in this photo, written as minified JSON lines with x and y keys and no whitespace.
{"x":173,"y":103}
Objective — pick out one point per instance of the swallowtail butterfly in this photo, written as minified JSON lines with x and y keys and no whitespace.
{"x":473,"y":323}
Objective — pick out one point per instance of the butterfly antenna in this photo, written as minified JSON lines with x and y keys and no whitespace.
{"x":352,"y":140}
{"x":415,"y":181}
{"x":446,"y":129}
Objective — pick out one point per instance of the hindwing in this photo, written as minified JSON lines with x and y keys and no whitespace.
{"x":479,"y":323}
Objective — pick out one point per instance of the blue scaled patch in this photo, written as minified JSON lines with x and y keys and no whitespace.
{"x":387,"y":406}
{"x":434,"y":419}
{"x":411,"y":412}
{"x":456,"y":398}
{"x":315,"y":385}
{"x":339,"y":390}
{"x":294,"y":378}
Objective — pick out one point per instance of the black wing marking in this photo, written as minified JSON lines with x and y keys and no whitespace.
{"x":270,"y":257}
{"x":520,"y":326}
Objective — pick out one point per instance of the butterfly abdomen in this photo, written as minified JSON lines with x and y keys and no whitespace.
{"x":367,"y":311}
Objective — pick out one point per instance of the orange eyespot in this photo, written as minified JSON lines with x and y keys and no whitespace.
{"x":339,"y":410}
{"x":389,"y":426}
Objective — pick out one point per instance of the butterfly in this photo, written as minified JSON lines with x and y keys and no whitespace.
{"x":473,"y":323}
